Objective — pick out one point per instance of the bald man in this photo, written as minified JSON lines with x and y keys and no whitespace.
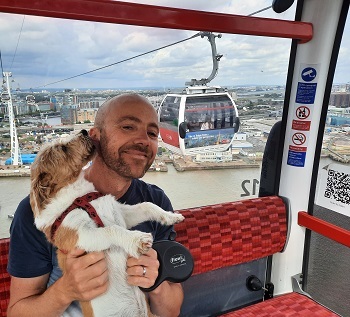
{"x":126,"y":136}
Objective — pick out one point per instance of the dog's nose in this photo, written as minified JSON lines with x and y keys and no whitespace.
{"x":84,"y":132}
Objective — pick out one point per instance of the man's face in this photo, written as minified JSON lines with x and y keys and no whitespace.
{"x":129,"y":138}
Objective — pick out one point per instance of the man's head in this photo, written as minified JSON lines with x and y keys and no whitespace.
{"x":126,"y":128}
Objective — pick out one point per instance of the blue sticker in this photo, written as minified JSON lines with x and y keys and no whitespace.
{"x":308,"y":74}
{"x":296,"y":158}
{"x":306,"y":93}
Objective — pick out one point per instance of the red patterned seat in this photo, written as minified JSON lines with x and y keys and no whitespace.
{"x":229,"y":242}
{"x":232,"y":233}
{"x":222,"y":237}
{"x":235,"y":234}
{"x":4,"y":277}
{"x":287,"y":305}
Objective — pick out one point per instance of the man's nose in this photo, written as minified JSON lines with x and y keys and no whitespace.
{"x":142,"y":137}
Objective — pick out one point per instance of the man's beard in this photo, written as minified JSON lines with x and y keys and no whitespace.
{"x":116,"y":163}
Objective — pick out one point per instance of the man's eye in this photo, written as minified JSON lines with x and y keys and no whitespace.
{"x":127,"y":127}
{"x":153,"y":134}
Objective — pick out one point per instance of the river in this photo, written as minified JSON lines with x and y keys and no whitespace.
{"x":185,"y":189}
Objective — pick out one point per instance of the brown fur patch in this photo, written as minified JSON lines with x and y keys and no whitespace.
{"x":65,"y":240}
{"x":87,"y":309}
{"x":55,"y":167}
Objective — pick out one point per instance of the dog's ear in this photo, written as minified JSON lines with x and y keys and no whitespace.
{"x":42,"y":186}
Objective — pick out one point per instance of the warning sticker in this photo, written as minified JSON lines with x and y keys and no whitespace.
{"x":298,"y":148}
{"x":308,"y":74}
{"x":302,"y":118}
{"x":296,"y":158}
{"x":306,"y":93}
{"x":301,"y":125}
{"x":299,"y":138}
{"x":302,"y":112}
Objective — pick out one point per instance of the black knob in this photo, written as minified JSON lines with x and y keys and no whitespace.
{"x":253,"y":283}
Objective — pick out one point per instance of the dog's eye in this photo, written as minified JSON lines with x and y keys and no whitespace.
{"x":64,"y":148}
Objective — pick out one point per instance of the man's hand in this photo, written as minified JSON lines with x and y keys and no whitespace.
{"x":85,"y":278}
{"x":143,"y":271}
{"x":86,"y":275}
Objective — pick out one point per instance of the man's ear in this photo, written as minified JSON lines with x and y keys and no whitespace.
{"x":94,"y":134}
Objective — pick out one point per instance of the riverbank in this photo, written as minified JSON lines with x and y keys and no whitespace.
{"x":182,"y":165}
{"x":160,"y":165}
{"x":14,"y":171}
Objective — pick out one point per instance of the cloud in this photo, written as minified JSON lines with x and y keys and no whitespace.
{"x":50,"y":50}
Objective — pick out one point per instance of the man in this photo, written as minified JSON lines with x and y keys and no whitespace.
{"x":126,"y":136}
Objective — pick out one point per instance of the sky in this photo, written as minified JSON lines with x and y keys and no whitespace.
{"x":41,"y":51}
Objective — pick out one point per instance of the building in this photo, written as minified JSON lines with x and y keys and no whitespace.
{"x":69,"y":114}
{"x":86,"y":115}
{"x":340,"y":99}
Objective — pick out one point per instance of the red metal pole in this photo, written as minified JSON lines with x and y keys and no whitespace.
{"x":324,"y":228}
{"x":157,"y":16}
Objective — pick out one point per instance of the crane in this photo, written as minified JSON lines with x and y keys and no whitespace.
{"x":6,"y":97}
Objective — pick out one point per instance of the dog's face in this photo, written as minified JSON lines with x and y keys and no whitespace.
{"x":58,"y":165}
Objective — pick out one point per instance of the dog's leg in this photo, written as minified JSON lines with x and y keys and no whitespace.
{"x":135,"y":214}
{"x":134,"y":243}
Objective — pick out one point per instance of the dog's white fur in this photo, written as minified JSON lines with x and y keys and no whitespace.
{"x":79,"y":230}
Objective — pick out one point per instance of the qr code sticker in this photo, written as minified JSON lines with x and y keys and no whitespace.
{"x":338,"y":186}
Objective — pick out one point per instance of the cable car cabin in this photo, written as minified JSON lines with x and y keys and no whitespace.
{"x":203,"y":119}
{"x":286,"y":252}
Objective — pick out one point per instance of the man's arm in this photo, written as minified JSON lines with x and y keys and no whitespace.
{"x":86,"y":277}
{"x":167,"y":298}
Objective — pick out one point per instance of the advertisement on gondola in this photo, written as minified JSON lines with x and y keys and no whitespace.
{"x":208,"y":138}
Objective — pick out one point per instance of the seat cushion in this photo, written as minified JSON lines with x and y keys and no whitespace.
{"x":291,"y":305}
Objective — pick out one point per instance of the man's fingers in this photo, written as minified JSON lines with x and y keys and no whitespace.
{"x":86,"y":259}
{"x":75,"y":253}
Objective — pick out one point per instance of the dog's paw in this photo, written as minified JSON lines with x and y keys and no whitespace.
{"x":142,"y":242}
{"x":169,"y":218}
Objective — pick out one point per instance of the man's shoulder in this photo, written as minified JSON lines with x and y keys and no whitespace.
{"x":143,"y":191}
{"x":139,"y":183}
{"x":23,"y":211}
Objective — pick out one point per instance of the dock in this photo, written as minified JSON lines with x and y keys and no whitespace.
{"x":14,"y":171}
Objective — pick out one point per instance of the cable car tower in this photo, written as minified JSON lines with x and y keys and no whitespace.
{"x":6,"y":96}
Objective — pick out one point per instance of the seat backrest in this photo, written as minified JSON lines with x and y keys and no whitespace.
{"x":229,"y":243}
{"x":4,"y":277}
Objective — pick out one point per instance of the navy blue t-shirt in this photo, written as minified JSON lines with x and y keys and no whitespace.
{"x":31,"y":255}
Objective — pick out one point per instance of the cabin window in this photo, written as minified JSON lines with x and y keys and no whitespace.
{"x":209,"y":113}
{"x":170,"y":111}
{"x":328,"y":258}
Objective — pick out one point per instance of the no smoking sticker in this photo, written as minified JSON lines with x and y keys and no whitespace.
{"x":298,"y":138}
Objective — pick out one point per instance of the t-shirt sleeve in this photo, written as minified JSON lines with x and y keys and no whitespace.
{"x":164,"y":232}
{"x":141,"y":191}
{"x":30,"y":253}
{"x":163,"y":201}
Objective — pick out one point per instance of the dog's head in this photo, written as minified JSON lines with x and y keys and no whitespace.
{"x":57,"y":165}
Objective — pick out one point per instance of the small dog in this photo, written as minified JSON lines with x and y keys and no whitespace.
{"x":57,"y":181}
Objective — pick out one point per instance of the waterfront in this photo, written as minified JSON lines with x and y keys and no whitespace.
{"x":185,"y":189}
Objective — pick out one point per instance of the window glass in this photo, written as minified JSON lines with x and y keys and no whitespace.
{"x":63,"y":70}
{"x":209,"y":112}
{"x":329,"y":259}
